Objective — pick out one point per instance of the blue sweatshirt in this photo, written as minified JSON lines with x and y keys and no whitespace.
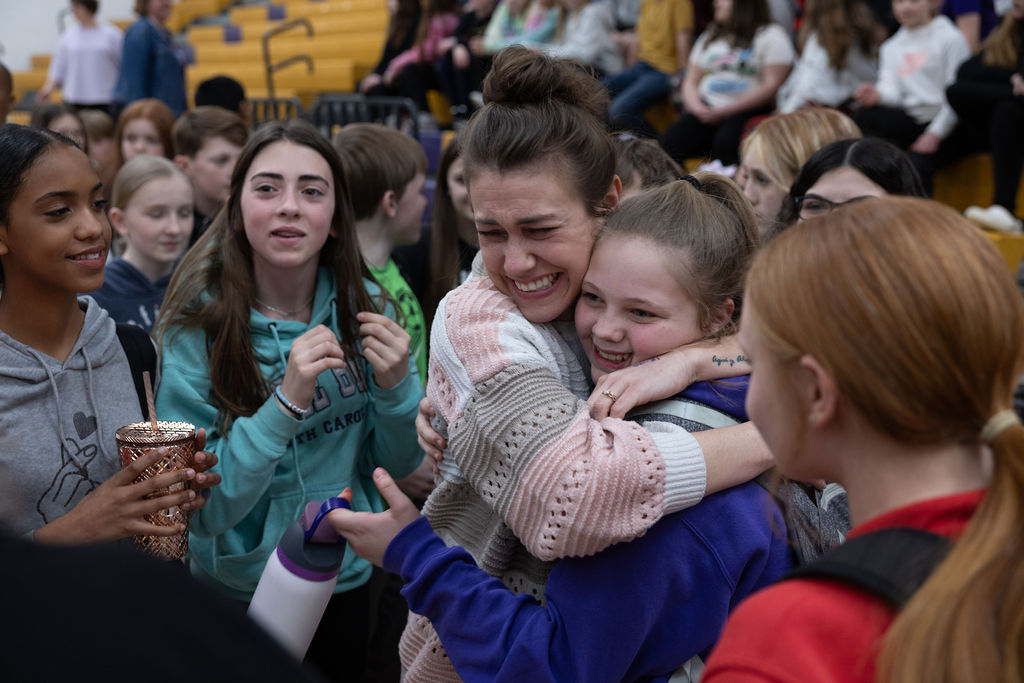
{"x":272,"y":464}
{"x":635,"y":611}
{"x":151,"y":66}
{"x":129,"y":296}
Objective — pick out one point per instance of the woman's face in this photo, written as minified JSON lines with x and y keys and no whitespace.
{"x":839,"y":186}
{"x":57,"y":235}
{"x":765,"y":196}
{"x":458,"y":191}
{"x":140,"y":136}
{"x":287,"y":207}
{"x":69,"y":126}
{"x":535,"y":236}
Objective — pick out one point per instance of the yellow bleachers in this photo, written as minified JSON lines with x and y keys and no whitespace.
{"x":363,"y":49}
{"x":329,"y":75}
{"x":968,"y":182}
{"x":25,"y":81}
{"x":296,"y":10}
{"x":40,"y":61}
{"x":357,"y":23}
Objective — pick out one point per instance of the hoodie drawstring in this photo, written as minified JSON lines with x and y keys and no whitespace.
{"x":92,"y":402}
{"x":56,"y":397}
{"x":291,"y":442}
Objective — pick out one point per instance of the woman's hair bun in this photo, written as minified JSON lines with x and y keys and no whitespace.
{"x":521,"y":76}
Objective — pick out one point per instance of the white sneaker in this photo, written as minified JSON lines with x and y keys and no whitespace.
{"x":995,"y":217}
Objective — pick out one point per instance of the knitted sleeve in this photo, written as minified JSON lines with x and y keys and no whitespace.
{"x":564,"y":483}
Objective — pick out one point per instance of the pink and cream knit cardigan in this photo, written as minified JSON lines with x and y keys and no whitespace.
{"x":528,"y":476}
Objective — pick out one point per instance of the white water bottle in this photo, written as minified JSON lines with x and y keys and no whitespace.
{"x":299,"y":579}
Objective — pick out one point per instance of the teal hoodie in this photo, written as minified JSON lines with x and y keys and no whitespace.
{"x":272,"y":464}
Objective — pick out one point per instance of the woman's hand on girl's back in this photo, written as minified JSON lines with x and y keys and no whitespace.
{"x":385,"y":346}
{"x":116,"y":507}
{"x":316,"y":350}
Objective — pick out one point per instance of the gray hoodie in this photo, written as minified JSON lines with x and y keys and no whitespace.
{"x":57,"y":421}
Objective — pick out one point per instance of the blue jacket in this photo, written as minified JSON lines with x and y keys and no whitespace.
{"x":635,"y":611}
{"x":129,"y":296}
{"x":151,"y":67}
{"x":272,"y":464}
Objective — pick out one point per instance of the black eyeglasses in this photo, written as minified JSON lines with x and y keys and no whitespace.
{"x":811,"y":205}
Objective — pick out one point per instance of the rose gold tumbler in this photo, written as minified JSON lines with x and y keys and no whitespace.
{"x":179,"y":438}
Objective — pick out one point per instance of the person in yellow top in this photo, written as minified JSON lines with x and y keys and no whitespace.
{"x":664,"y":33}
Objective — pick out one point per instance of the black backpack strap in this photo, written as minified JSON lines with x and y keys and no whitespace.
{"x":889,"y":563}
{"x":138,"y":347}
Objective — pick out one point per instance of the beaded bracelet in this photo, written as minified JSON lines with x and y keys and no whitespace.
{"x":298,"y":412}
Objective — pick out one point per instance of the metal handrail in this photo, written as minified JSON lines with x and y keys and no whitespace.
{"x":271,"y":68}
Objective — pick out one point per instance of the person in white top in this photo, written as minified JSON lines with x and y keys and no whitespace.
{"x":907,"y":104}
{"x":734,"y":73}
{"x":838,"y":45}
{"x":87,"y":60}
{"x":585,"y":34}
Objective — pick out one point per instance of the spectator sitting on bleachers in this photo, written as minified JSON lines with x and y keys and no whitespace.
{"x":411,"y":73}
{"x":403,"y":27}
{"x":464,"y":62}
{"x":584,"y":33}
{"x":907,"y":104}
{"x":227,"y":93}
{"x":664,"y":33}
{"x":521,"y":22}
{"x":87,"y":60}
{"x":735,"y":70}
{"x":838,"y":45}
{"x":988,"y":96}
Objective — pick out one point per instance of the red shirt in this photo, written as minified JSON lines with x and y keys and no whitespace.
{"x":821,"y":630}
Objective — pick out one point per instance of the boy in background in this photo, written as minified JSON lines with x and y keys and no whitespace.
{"x":227,"y":93}
{"x":386,"y":171}
{"x":207,"y":141}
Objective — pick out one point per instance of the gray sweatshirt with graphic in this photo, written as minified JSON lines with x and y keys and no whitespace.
{"x":57,"y":421}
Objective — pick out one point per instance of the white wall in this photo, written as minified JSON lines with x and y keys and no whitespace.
{"x":30,"y":26}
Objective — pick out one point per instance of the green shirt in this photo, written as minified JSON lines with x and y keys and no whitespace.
{"x":414,"y":323}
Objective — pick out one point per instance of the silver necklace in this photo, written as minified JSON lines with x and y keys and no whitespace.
{"x":283,"y":312}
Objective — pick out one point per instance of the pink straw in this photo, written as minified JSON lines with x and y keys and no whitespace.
{"x":150,"y":402}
